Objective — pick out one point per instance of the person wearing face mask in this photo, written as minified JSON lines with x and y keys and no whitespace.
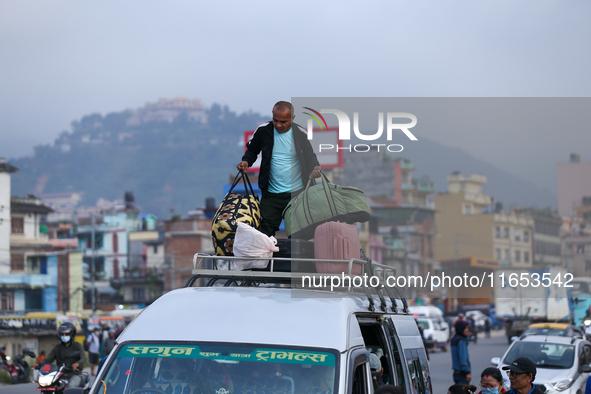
{"x":491,"y":381}
{"x":63,"y":350}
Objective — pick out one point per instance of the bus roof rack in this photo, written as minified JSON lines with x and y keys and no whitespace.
{"x":224,"y":272}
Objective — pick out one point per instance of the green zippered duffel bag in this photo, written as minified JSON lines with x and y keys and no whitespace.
{"x":325,"y":202}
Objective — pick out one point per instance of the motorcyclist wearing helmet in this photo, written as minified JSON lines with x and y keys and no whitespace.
{"x":63,"y":350}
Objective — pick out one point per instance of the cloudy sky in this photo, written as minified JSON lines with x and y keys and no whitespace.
{"x":61,"y":60}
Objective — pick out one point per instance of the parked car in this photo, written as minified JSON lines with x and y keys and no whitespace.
{"x":562,"y":362}
{"x":555,"y":329}
{"x":435,"y":332}
{"x":426,"y":311}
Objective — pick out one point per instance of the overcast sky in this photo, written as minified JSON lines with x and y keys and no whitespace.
{"x":61,"y":60}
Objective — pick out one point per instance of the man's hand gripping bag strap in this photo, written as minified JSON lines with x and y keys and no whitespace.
{"x":235,"y":207}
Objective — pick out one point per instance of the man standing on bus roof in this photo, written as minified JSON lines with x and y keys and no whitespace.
{"x":287,"y":162}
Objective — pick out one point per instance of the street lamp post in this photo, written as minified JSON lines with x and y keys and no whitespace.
{"x":459,"y":239}
{"x":92,"y":268}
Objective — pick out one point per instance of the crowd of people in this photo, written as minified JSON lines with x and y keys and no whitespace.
{"x":99,"y":344}
{"x":522,"y":371}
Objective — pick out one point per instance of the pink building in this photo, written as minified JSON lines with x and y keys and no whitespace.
{"x":574,"y":183}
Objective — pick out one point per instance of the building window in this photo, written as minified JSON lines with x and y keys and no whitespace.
{"x":18,"y":225}
{"x":115,"y":243}
{"x":507,"y":255}
{"x":6,"y":301}
{"x":138,"y":294}
{"x":526,"y":257}
{"x":17,"y":262}
{"x":588,"y":266}
{"x":506,"y":232}
{"x":517,"y":235}
{"x":497,"y":232}
{"x":99,"y":266}
{"x":526,"y":236}
{"x":155,"y":248}
{"x":467,"y":209}
{"x":498,"y":253}
{"x":517,"y":256}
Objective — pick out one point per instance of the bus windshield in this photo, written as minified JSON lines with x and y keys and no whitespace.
{"x":217,"y":368}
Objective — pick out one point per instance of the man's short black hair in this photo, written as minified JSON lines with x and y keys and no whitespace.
{"x":284,"y":106}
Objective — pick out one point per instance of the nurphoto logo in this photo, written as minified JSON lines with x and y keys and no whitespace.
{"x":345,"y":129}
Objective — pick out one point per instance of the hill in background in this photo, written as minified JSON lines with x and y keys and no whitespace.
{"x":171,"y":157}
{"x":165,"y":163}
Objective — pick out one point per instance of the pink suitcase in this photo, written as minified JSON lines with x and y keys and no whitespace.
{"x":339,"y":241}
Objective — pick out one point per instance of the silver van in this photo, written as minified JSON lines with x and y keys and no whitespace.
{"x":256,"y":332}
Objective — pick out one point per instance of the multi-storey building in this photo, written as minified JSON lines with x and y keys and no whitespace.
{"x":469,"y":226}
{"x":109,"y":257}
{"x":474,"y":237}
{"x":546,"y":236}
{"x":165,"y":110}
{"x":143,"y":281}
{"x":403,"y":237}
{"x":379,"y":175}
{"x":574,"y":183}
{"x":34,"y":277}
{"x":5,"y":221}
{"x":411,"y":192}
{"x":576,"y":246}
{"x":402,"y":227}
{"x":182,"y":239}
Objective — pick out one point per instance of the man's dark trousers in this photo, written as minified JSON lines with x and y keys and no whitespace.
{"x":272,"y":206}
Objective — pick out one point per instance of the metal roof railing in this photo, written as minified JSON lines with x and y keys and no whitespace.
{"x":228,"y":275}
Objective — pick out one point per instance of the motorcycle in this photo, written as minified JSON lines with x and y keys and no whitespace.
{"x":19,"y":370}
{"x":52,"y":379}
{"x":587,"y":324}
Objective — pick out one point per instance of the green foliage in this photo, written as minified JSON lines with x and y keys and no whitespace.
{"x":5,"y":377}
{"x":166,"y":165}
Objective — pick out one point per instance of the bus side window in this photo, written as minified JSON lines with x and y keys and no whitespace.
{"x":360,"y":379}
{"x":419,"y":370}
{"x":425,"y":370}
{"x":398,"y":362}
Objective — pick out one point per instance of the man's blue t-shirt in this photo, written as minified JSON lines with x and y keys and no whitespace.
{"x":286,"y":172}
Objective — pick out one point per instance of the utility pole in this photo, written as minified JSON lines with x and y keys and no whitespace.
{"x":92,"y":268}
{"x":172,"y":278}
{"x":462,"y":239}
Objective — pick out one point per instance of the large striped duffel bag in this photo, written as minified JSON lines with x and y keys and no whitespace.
{"x":236,"y":207}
